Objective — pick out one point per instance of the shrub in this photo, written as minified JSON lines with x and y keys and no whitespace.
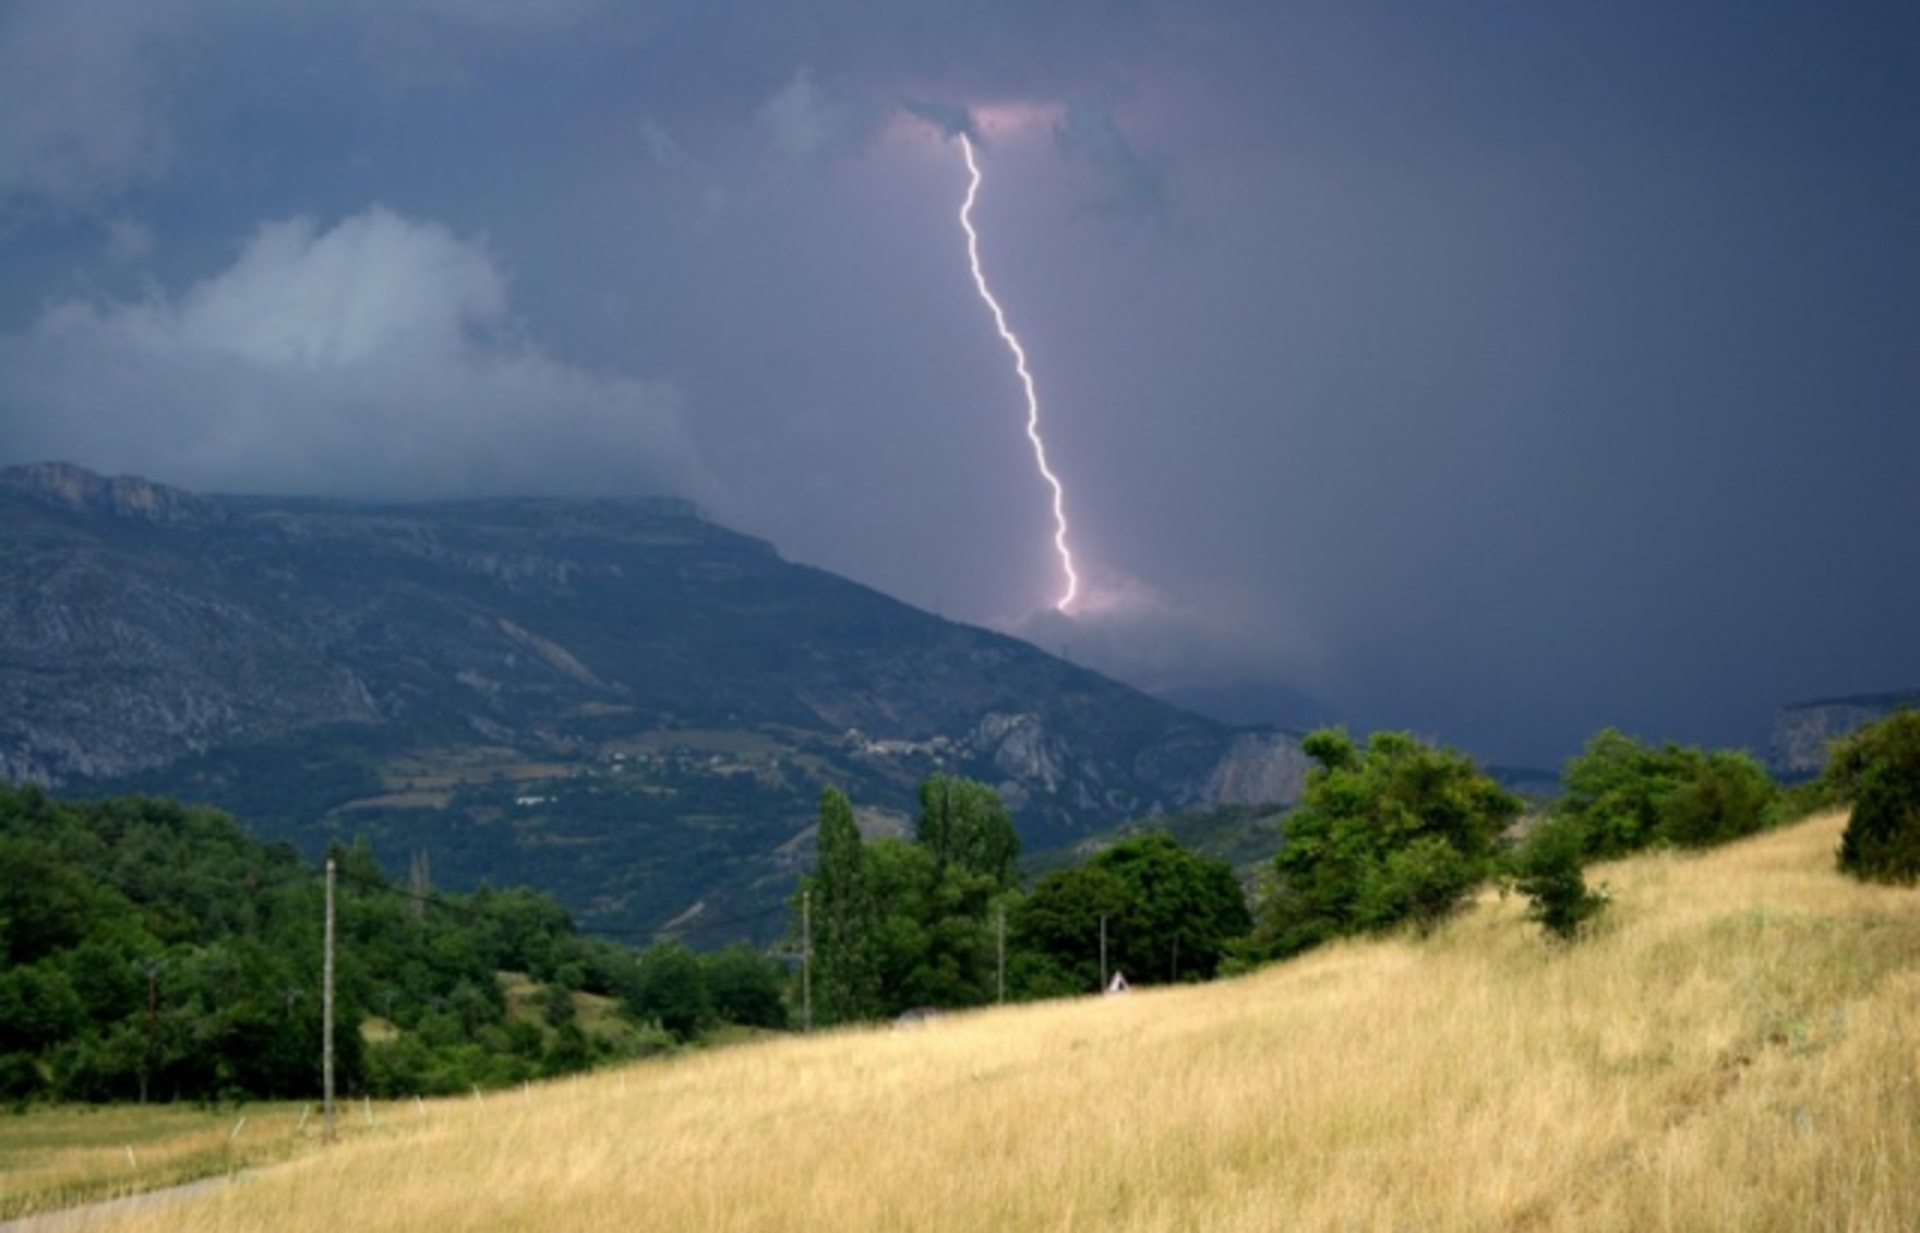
{"x":1720,"y":797}
{"x":1878,"y":770}
{"x":1547,"y":869}
{"x":1395,"y":832}
{"x":1624,"y":795}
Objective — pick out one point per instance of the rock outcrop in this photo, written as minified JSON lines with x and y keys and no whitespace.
{"x":1802,"y":731}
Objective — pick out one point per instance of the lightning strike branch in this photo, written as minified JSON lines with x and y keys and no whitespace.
{"x":1026,"y":381}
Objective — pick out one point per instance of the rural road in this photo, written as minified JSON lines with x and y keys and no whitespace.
{"x":94,"y":1215}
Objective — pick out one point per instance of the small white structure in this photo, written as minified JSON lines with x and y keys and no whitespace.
{"x":1118,"y":984}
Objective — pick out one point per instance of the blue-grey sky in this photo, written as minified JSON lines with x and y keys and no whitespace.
{"x":1499,"y":371}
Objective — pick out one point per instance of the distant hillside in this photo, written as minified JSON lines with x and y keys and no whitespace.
{"x":1247,"y":837}
{"x":1803,"y":730}
{"x":618,"y":702}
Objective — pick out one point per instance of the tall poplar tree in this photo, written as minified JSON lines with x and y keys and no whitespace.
{"x":844,"y":917}
{"x":964,"y":823}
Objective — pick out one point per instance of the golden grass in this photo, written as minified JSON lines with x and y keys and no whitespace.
{"x":55,"y":1158}
{"x":1737,"y":1048}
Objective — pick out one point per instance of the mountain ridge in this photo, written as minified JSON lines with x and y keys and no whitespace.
{"x":650,"y":680}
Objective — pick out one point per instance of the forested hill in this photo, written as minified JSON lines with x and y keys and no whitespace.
{"x":618,"y":702}
{"x":153,"y":951}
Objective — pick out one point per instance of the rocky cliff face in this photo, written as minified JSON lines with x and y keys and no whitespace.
{"x":1803,"y":731}
{"x":61,"y":485}
{"x":1258,"y":768}
{"x":560,"y":691}
{"x":120,"y":652}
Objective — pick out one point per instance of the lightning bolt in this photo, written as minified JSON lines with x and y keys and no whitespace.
{"x":1026,"y":380}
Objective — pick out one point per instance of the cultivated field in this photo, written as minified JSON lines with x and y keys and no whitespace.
{"x":1738,"y":1048}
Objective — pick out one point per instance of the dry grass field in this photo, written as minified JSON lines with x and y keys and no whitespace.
{"x":1737,"y":1048}
{"x":51,"y":1158}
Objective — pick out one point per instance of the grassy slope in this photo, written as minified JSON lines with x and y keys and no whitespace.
{"x":1739,"y":1048}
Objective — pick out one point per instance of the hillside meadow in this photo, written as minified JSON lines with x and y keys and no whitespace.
{"x":1737,"y":1047}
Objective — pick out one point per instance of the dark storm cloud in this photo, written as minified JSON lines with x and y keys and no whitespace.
{"x":85,"y":107}
{"x":1131,"y":183}
{"x":1499,"y":373}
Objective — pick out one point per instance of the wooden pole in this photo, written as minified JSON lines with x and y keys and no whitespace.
{"x":326,"y":1015}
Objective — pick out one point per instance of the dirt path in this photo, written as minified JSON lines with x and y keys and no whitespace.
{"x":94,"y":1215}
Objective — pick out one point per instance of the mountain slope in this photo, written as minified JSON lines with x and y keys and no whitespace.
{"x":617,"y":701}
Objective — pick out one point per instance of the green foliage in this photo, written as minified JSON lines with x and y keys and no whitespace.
{"x":1056,"y":931}
{"x":671,"y":989}
{"x":846,"y":974}
{"x":1394,"y":833}
{"x":1614,"y":791}
{"x":743,"y":987}
{"x":939,"y":922}
{"x":1169,"y":914}
{"x":937,"y":930}
{"x":1625,"y":795}
{"x":1548,"y":870}
{"x":1723,"y":795}
{"x":1877,"y":768}
{"x":153,"y":951}
{"x":964,"y":824}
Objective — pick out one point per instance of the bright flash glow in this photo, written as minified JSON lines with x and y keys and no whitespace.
{"x":1026,"y":381}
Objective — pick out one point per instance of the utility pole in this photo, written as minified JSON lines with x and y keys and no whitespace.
{"x":1103,"y":952}
{"x":152,"y":967}
{"x":806,"y":960}
{"x":419,"y":883}
{"x":326,"y":1014}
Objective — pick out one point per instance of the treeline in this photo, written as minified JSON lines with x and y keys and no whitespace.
{"x":1391,"y":834}
{"x":1397,"y":833}
{"x":154,"y":951}
{"x":940,"y":920}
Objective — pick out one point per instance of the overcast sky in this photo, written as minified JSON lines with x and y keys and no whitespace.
{"x":1499,"y":371}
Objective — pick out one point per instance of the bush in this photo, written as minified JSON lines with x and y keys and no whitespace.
{"x":1395,"y":832}
{"x":1720,"y":797}
{"x":1878,"y":770}
{"x":1624,"y":795}
{"x":1547,"y":869}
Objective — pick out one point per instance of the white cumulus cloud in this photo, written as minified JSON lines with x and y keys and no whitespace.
{"x":377,"y":357}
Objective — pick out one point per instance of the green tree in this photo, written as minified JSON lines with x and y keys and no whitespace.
{"x":1395,"y":832}
{"x":846,"y":975}
{"x":1720,"y":796}
{"x":1547,"y":869}
{"x":1625,"y":795}
{"x":1056,"y":931}
{"x":964,"y":823}
{"x":1877,"y":768}
{"x":933,"y":935}
{"x":1614,"y":789}
{"x":671,"y":989}
{"x":1167,"y":914}
{"x":1181,"y":913}
{"x":744,"y":987}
